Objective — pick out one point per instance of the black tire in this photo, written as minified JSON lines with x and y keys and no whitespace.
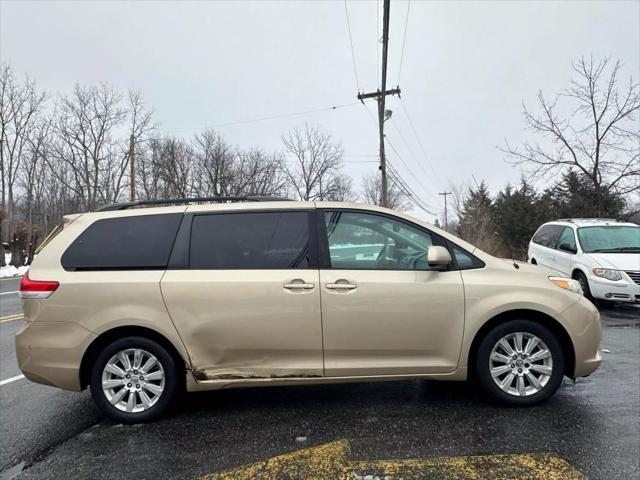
{"x":165,"y":399}
{"x":533,"y":261}
{"x":584,"y":284}
{"x":482,"y":363}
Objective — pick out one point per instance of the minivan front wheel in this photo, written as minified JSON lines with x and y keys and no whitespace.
{"x":134,"y":379}
{"x":520,"y":362}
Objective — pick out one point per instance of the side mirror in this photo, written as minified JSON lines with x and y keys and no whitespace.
{"x":437,"y":255}
{"x":567,"y":248}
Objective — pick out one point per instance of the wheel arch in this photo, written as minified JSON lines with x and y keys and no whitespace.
{"x":526,"y":314}
{"x":580,"y":269}
{"x":109,"y":336}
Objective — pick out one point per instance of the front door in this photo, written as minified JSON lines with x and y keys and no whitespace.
{"x":248,"y":305}
{"x":384,"y":310}
{"x":565,"y":251}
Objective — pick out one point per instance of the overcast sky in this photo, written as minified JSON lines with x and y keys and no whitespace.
{"x":467,"y":68}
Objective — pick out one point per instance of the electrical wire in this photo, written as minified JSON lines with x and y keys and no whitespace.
{"x":272,"y":117}
{"x":405,"y":189}
{"x":424,"y":152}
{"x":353,"y":52}
{"x":404,"y":140}
{"x":404,"y":41}
{"x":402,"y":185}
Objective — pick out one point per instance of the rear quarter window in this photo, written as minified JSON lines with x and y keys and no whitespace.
{"x":141,"y":242}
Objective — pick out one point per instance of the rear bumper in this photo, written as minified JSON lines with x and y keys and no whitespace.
{"x":51,"y":352}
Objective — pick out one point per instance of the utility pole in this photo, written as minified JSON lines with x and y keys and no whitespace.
{"x":132,"y":161}
{"x":445,"y":208}
{"x":380,"y":95}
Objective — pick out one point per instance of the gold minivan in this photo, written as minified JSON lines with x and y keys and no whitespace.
{"x":140,"y":303}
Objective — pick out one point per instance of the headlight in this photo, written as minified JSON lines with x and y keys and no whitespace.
{"x":567,"y":284}
{"x":607,"y":273}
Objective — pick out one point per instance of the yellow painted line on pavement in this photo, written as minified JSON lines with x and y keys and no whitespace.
{"x":10,"y":318}
{"x":330,"y":461}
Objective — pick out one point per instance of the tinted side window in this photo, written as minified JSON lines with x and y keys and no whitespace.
{"x":129,"y":243}
{"x":548,"y":235}
{"x":263,"y":240}
{"x":365,"y":241}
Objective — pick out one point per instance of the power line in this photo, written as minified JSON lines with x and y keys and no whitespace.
{"x":415,"y":133}
{"x":272,"y":117}
{"x":407,"y":186}
{"x":353,"y":53}
{"x":404,"y":140}
{"x":409,"y":191}
{"x":407,"y":167}
{"x":404,"y":41}
{"x":402,"y":185}
{"x":401,"y":159}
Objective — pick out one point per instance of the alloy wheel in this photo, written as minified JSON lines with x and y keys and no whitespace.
{"x":521,"y":364}
{"x":133,"y":380}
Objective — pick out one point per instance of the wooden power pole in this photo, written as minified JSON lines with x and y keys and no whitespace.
{"x":380,"y":95}
{"x":132,"y":161}
{"x":444,"y":194}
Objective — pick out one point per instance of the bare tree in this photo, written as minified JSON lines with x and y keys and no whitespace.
{"x":20,"y":105}
{"x":85,"y":131}
{"x":176,"y":168}
{"x":260,"y":173}
{"x":217,"y":165}
{"x":315,"y":160}
{"x":600,"y":137}
{"x":372,"y":193}
{"x":141,"y":128}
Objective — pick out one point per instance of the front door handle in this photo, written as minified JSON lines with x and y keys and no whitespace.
{"x":298,"y":284}
{"x":341,"y":286}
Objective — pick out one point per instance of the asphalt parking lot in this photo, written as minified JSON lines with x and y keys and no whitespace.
{"x":590,"y":429}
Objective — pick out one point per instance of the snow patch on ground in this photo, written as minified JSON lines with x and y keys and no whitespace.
{"x":11,"y":271}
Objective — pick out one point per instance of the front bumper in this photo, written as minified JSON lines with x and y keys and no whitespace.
{"x":620,"y":291}
{"x":51,"y":352}
{"x":582,"y":321}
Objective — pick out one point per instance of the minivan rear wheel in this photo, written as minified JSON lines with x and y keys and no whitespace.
{"x":520,"y":362}
{"x":134,"y":379}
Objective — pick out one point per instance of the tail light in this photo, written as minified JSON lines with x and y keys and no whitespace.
{"x":36,"y":288}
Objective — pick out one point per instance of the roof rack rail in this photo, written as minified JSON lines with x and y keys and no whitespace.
{"x":573,"y":220}
{"x":183,"y":201}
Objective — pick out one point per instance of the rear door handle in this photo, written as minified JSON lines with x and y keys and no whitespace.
{"x":341,"y":286}
{"x":298,"y":285}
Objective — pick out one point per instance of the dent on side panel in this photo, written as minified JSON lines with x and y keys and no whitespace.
{"x":242,"y":325}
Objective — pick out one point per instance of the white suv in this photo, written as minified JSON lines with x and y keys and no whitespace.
{"x":602,"y":254}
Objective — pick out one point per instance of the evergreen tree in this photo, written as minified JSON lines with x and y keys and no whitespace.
{"x":476,"y":219}
{"x":517,"y":215}
{"x":576,"y":197}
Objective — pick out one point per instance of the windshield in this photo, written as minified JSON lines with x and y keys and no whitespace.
{"x":610,"y":239}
